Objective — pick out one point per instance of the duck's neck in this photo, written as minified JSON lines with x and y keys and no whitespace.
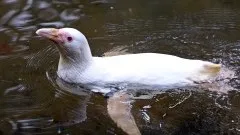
{"x":74,"y":60}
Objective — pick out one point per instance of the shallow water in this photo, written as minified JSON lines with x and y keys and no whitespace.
{"x":31,"y":102}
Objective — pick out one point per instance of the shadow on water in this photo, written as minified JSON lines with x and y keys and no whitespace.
{"x":31,"y":103}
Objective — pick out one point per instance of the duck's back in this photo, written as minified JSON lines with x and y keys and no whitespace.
{"x":147,"y":68}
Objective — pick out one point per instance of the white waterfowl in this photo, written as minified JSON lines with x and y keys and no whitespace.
{"x":77,"y":65}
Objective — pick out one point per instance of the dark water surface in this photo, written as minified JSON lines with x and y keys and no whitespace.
{"x":31,"y":102}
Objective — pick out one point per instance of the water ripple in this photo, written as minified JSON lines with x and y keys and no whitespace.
{"x":22,"y":19}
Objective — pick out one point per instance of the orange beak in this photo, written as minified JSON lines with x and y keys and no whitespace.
{"x":50,"y":33}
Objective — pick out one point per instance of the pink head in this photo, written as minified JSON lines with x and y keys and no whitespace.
{"x":68,"y":37}
{"x":71,"y":43}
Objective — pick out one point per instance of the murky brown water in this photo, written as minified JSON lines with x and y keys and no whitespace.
{"x":33,"y":102}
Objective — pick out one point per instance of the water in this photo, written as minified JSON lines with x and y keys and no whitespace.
{"x":31,"y":102}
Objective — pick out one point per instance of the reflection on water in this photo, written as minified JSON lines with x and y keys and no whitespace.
{"x":31,"y":102}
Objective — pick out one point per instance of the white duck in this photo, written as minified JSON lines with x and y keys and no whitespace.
{"x":77,"y":65}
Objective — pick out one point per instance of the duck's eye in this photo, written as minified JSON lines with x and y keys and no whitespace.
{"x":69,"y":39}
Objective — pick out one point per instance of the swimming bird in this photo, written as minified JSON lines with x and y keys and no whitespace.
{"x":77,"y":65}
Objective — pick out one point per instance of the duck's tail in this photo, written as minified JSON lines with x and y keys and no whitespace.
{"x":211,"y":69}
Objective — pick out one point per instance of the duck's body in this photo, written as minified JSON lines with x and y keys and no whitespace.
{"x":143,"y":68}
{"x":77,"y":65}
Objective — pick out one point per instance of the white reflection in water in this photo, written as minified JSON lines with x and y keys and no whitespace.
{"x":18,"y":88}
{"x":22,"y":19}
{"x":48,"y":14}
{"x":42,"y":4}
{"x":5,"y":18}
{"x":70,"y":14}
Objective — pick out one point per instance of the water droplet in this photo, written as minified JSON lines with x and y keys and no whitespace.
{"x":146,"y":117}
{"x":147,"y":107}
{"x":59,"y":131}
{"x":175,"y":38}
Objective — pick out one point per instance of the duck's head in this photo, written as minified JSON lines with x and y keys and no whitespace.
{"x":71,"y":43}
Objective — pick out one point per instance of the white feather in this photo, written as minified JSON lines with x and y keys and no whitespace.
{"x":144,"y":68}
